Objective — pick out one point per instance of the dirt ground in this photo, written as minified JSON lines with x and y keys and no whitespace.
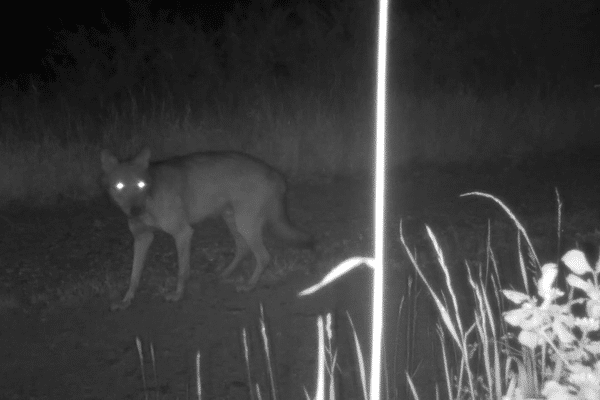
{"x":58,"y":339}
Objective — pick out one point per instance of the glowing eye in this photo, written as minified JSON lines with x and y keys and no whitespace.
{"x":119,"y":185}
{"x":141,"y":184}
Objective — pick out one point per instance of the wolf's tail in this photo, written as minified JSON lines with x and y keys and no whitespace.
{"x":284,"y":229}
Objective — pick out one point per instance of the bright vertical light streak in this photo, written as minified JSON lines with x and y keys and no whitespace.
{"x":379,"y":203}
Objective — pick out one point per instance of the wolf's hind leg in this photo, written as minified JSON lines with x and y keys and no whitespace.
{"x":241,"y":246}
{"x":251,"y":226}
{"x":183,"y":240}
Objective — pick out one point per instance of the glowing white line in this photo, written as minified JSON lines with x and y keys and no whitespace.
{"x":379,"y":193}
{"x":378,"y":309}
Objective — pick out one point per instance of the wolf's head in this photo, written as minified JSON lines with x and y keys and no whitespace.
{"x":127,"y":182}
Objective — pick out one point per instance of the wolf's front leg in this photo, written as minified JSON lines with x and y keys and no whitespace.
{"x":183,"y":240}
{"x":141,"y":244}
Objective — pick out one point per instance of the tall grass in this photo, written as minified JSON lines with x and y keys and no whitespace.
{"x":304,"y":132}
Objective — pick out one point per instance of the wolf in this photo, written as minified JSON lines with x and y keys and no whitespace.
{"x":176,"y":193}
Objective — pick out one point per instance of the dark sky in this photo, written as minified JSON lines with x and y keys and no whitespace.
{"x":28,"y":29}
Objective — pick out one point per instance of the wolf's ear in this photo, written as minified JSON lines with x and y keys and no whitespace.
{"x":143,"y":158}
{"x":108,"y":161}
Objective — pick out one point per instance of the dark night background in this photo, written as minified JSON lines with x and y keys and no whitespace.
{"x":36,"y":26}
{"x":481,"y":45}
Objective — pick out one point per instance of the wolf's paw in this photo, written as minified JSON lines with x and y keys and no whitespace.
{"x":244,"y":288}
{"x":173,"y":297}
{"x":219,"y":269}
{"x":225,"y":277}
{"x":120,"y":305}
{"x":231,"y":280}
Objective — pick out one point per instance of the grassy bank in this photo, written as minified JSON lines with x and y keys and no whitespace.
{"x":305,"y":133}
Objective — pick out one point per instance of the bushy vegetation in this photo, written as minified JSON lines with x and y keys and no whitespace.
{"x":542,"y":343}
